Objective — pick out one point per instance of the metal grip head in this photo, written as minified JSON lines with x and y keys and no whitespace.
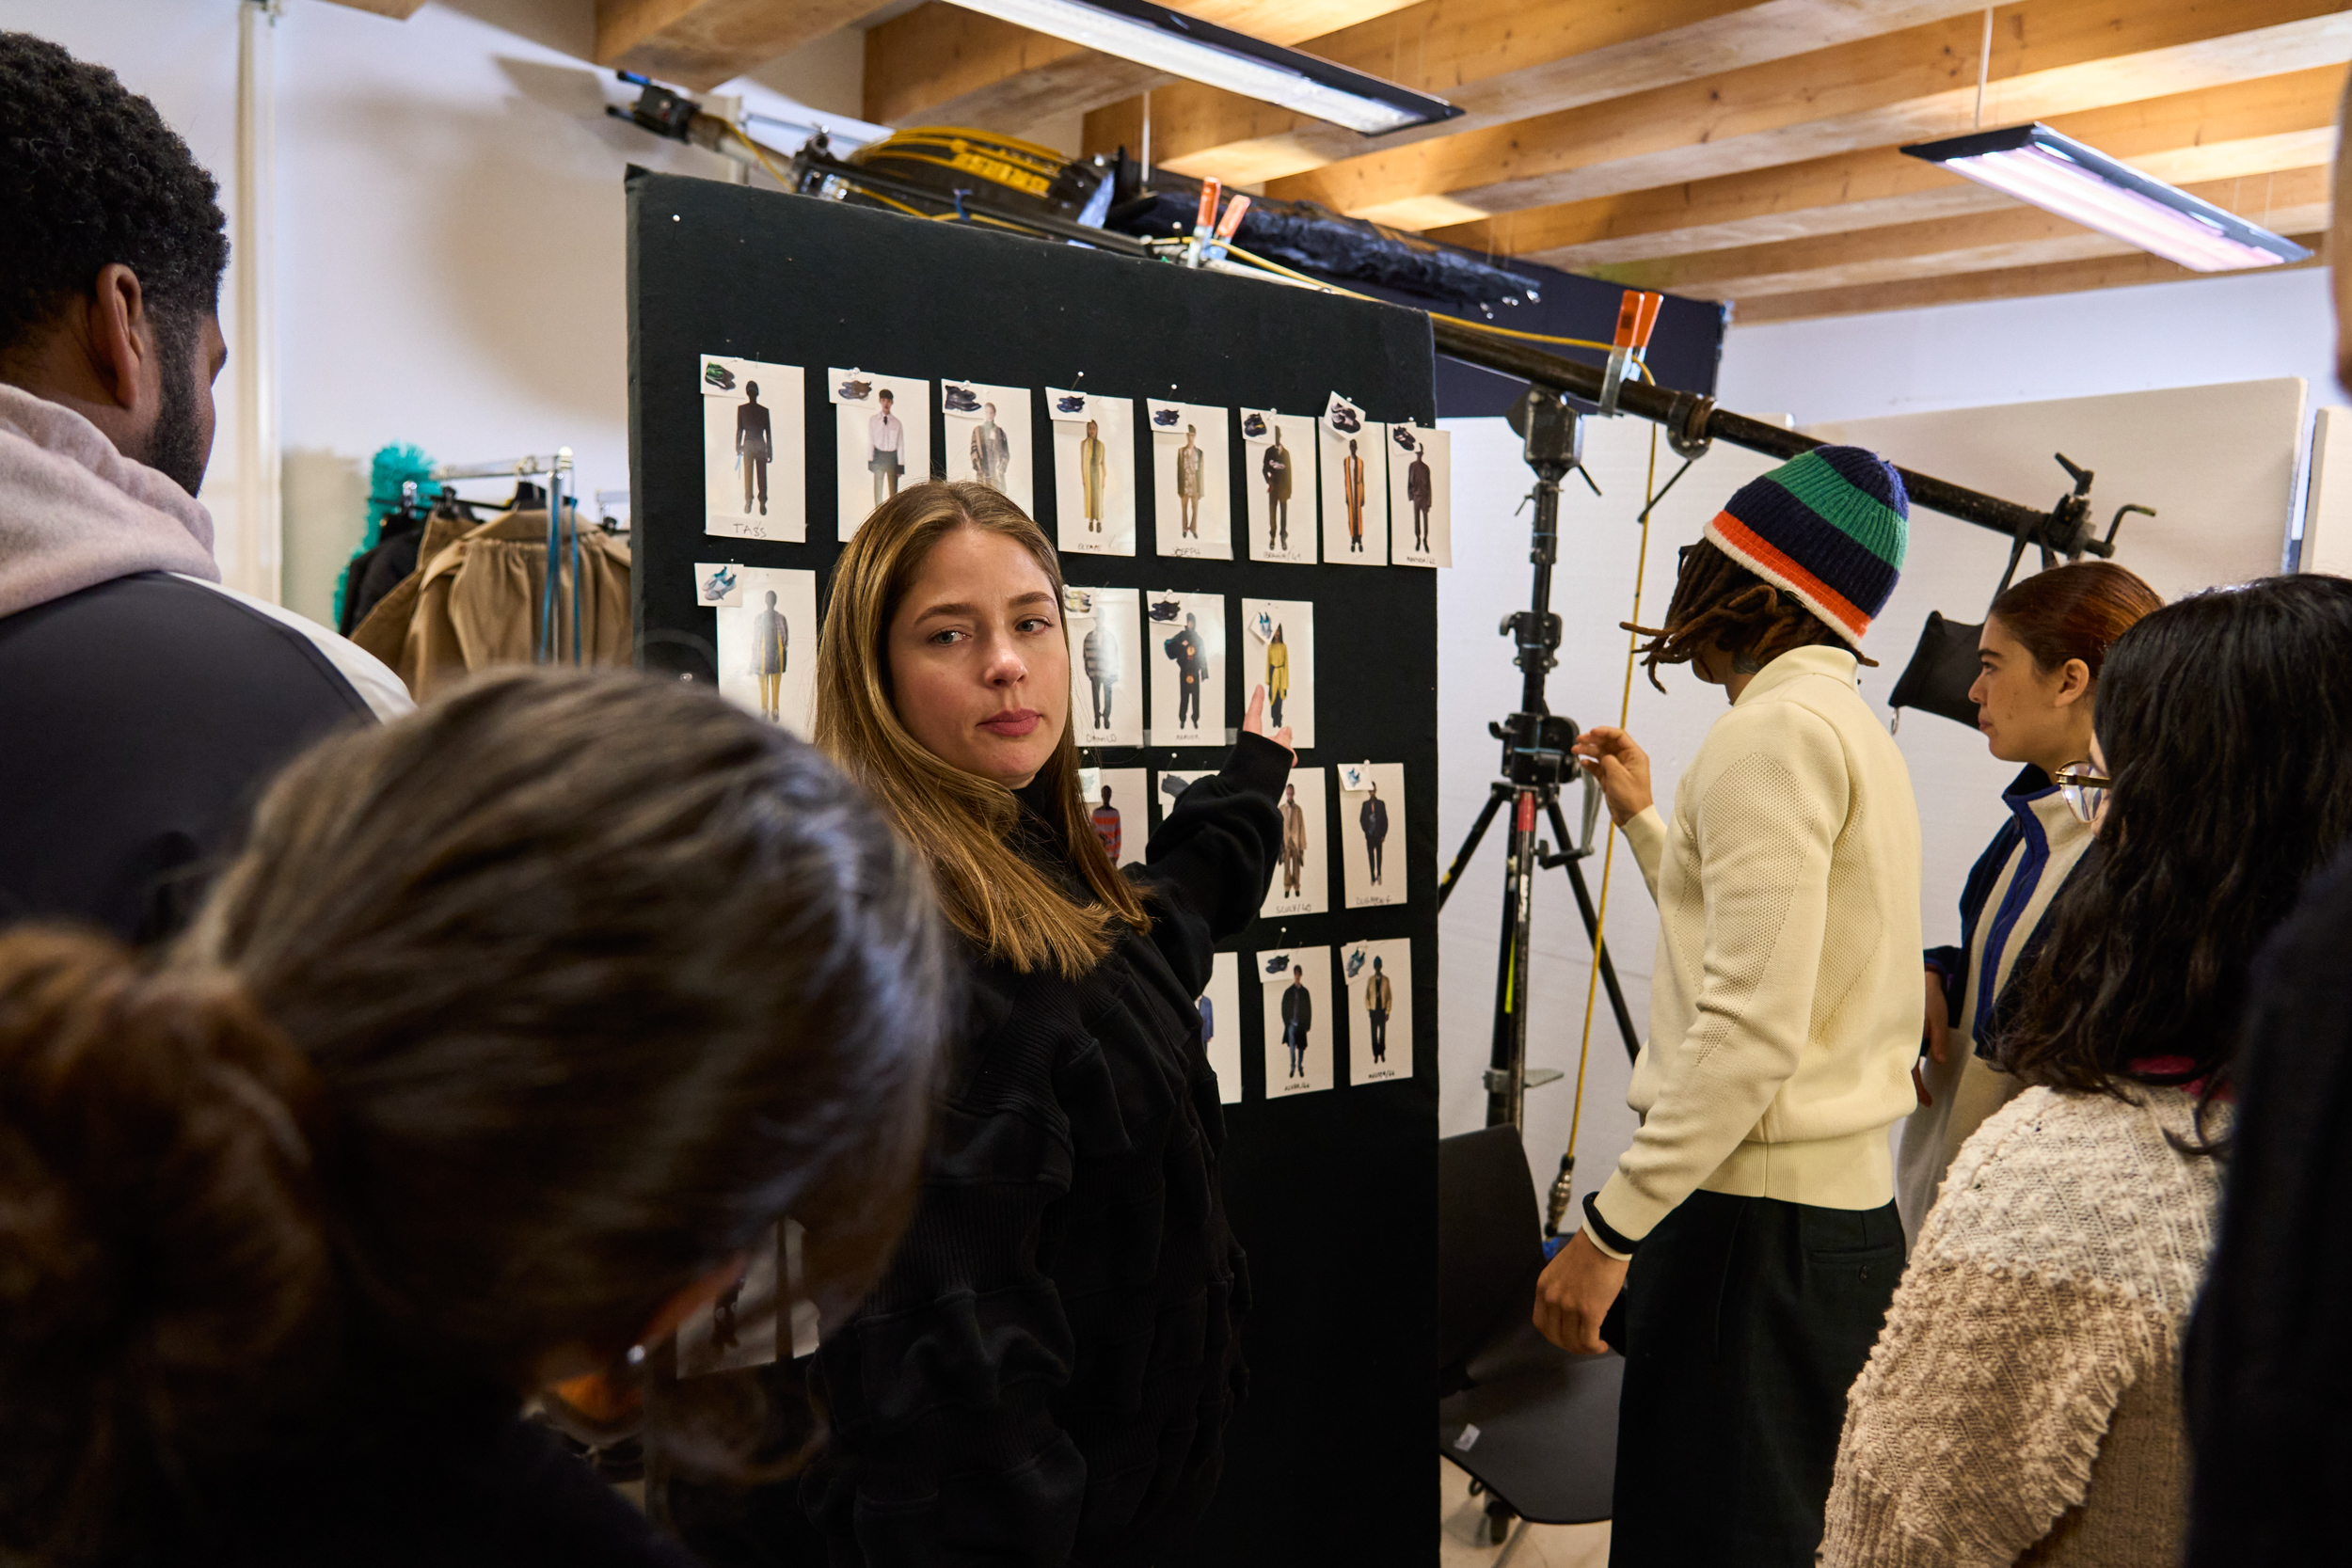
{"x":1553,"y":433}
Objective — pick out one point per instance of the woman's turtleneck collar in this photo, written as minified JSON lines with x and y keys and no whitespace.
{"x":1041,"y":821}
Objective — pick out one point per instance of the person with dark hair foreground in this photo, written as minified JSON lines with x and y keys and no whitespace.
{"x":144,"y":704}
{"x":1045,"y":1376}
{"x":2043,"y":644}
{"x":2266,"y":1384}
{"x":2073,"y":1233}
{"x":2268,"y":1376}
{"x":1752,"y":1224}
{"x":481,"y":1069}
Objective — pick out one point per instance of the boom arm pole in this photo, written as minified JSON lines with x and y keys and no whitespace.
{"x":1692,"y":421}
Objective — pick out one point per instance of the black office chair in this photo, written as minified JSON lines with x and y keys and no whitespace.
{"x":1535,"y":1427}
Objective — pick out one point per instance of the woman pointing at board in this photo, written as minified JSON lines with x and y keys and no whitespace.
{"x":1044,"y":1374}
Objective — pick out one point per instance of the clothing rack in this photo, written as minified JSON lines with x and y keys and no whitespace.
{"x":558,"y":471}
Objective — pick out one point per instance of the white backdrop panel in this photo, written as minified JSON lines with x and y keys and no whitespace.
{"x":2218,"y":464}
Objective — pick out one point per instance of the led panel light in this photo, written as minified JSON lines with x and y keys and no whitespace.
{"x":1199,"y":51}
{"x":2060,"y":175}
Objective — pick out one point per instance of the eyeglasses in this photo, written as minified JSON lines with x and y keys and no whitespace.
{"x":2085,"y":791}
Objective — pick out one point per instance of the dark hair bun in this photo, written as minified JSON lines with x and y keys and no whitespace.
{"x":162,"y":1263}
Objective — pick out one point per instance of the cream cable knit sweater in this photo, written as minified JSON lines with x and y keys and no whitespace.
{"x":2022,"y":1402}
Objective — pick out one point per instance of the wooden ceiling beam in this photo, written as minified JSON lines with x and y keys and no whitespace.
{"x":2254,"y":127}
{"x":2105,"y":271}
{"x":941,"y":65}
{"x":2292,"y":201}
{"x":1498,"y":61}
{"x":2049,"y":57}
{"x":701,"y":44}
{"x":399,"y":10}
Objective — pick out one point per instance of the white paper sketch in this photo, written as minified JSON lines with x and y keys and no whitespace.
{"x":1279,"y":652}
{"x":739,"y":1329}
{"x":1372,"y":820}
{"x":1278,"y":485}
{"x":1106,"y":665}
{"x":1184,"y":644}
{"x":1379,"y":980}
{"x":766,"y":1311}
{"x":768,"y":646}
{"x":718,"y":584}
{"x":989,"y":439}
{"x":1354,"y":496}
{"x":754,"y":464}
{"x":1421,"y":497}
{"x":1094,"y":472}
{"x":1221,"y":1025}
{"x":1302,"y":877}
{"x":1192,"y":481}
{"x":1114,"y":799}
{"x":1297,"y":982}
{"x":883,"y":433}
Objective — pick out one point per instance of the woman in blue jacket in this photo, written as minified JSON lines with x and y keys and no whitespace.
{"x":2045,"y":641}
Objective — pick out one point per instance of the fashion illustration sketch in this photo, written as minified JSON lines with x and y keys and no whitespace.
{"x":882,"y":438}
{"x":1278,"y":483}
{"x":1094,"y":472}
{"x":753,"y":471}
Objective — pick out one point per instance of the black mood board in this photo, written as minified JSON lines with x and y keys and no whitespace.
{"x":1333,"y":1193}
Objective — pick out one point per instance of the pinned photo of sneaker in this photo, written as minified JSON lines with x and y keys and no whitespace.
{"x":719,"y":376}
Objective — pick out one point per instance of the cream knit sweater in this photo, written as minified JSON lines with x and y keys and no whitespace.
{"x":2023,"y":1400}
{"x":1785,"y":1006}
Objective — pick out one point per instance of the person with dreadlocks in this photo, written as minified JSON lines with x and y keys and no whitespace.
{"x":1752,"y":1224}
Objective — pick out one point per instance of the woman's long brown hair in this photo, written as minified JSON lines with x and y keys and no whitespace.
{"x":963,"y":822}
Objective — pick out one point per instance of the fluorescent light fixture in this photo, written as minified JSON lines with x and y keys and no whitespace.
{"x":1200,"y":51}
{"x":2060,"y":175}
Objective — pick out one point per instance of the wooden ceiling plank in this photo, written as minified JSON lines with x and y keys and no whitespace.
{"x":2272,"y":122}
{"x":1501,"y":60}
{"x":2291,"y":199}
{"x":2050,"y":58}
{"x":701,"y":44}
{"x":2106,"y":271}
{"x":943,"y":65}
{"x":399,"y":10}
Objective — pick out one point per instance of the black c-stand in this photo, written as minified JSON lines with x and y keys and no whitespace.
{"x":1536,"y":761}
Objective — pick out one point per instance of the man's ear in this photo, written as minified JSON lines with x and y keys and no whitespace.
{"x":117,"y":335}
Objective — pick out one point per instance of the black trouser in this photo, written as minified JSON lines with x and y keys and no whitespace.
{"x":1101,"y":702}
{"x":1744,"y":1322}
{"x":1372,"y":856}
{"x":1187,"y":700}
{"x":1380,"y":1037}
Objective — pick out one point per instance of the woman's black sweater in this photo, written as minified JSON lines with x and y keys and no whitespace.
{"x":1044,"y":1375}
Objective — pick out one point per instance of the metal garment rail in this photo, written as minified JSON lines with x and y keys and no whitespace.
{"x":558,"y":471}
{"x":1692,"y":421}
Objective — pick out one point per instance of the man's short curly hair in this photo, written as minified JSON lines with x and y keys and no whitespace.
{"x":89,"y":174}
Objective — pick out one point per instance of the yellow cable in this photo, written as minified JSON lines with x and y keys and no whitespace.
{"x":759,"y":152}
{"x":1609,"y":855}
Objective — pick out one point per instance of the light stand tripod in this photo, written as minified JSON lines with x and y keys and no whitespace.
{"x":1535,"y":760}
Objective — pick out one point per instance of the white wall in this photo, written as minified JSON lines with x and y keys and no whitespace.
{"x":2218,"y":462}
{"x":2242,"y":329}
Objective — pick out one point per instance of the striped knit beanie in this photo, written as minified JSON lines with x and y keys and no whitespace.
{"x":1829,"y":526}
